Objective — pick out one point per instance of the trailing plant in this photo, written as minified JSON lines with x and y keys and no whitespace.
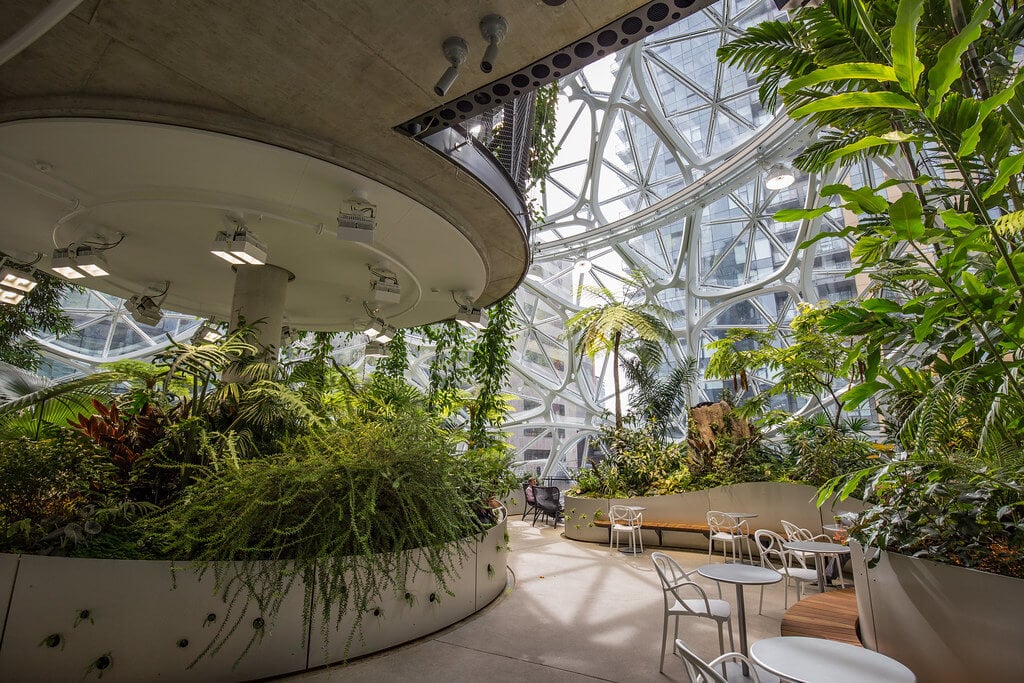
{"x":490,"y":365}
{"x":342,"y":505}
{"x":396,"y":363}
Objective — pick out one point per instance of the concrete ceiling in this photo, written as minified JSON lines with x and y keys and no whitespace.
{"x":329,"y":80}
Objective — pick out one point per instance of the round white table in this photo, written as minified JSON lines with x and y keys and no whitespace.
{"x":818,"y":548}
{"x":810,"y":660}
{"x":741,"y":575}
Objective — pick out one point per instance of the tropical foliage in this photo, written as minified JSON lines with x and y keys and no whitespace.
{"x":41,"y":312}
{"x":940,"y":337}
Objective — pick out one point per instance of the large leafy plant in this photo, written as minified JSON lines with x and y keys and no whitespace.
{"x":942,"y":334}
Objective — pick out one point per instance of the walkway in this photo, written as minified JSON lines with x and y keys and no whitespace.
{"x":576,"y":612}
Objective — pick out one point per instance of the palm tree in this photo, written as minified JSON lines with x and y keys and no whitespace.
{"x":612,"y":325}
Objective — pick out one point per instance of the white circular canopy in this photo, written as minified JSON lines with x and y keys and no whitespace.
{"x":169,"y":190}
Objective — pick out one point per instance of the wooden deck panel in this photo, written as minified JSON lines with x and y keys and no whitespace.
{"x":831,"y":615}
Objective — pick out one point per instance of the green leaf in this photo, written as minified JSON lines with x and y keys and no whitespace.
{"x":906,"y":216}
{"x":969,"y":140}
{"x":862,"y":200}
{"x":855,"y":100}
{"x":881,"y":305}
{"x":1011,"y":223}
{"x":858,"y":394}
{"x":1008,"y":167}
{"x":790,"y":215}
{"x":955,"y":219}
{"x":947,"y":64}
{"x":905,"y":64}
{"x":862,"y":71}
{"x":975,"y":286}
{"x":962,"y":350}
{"x":868,"y":142}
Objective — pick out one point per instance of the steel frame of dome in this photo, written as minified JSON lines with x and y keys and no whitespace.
{"x":660,"y":168}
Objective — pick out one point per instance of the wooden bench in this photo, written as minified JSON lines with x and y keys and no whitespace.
{"x":658,"y":527}
{"x":831,"y":615}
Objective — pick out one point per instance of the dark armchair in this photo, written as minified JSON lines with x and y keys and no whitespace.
{"x":547,"y":504}
{"x":529,"y":497}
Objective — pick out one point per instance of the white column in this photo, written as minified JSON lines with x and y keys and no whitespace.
{"x":259,"y":301}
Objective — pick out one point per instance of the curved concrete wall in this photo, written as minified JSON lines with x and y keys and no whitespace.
{"x":151,"y":627}
{"x":946,"y":623}
{"x":771,"y":501}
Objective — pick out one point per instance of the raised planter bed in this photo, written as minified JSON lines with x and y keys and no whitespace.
{"x":140,"y":624}
{"x":771,"y":501}
{"x":946,"y":623}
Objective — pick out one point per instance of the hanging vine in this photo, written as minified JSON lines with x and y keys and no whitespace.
{"x":490,"y":365}
{"x":448,"y":368}
{"x":397,"y":362}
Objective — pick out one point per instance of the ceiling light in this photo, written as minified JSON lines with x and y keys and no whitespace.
{"x":208,"y":333}
{"x":779,"y":176}
{"x":240,"y":247}
{"x":62,"y":264}
{"x":471,"y":317}
{"x":10,"y":296}
{"x":386,"y":334}
{"x":493,"y":28}
{"x":375,"y":349}
{"x":373,"y":330}
{"x":455,"y":51}
{"x":17,"y":279}
{"x":358,"y":223}
{"x":144,"y":310}
{"x":90,"y":262}
{"x":385,"y":287}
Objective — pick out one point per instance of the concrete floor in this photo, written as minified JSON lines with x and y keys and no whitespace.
{"x":573,"y":612}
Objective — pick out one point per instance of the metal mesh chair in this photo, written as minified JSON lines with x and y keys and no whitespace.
{"x":546,"y":503}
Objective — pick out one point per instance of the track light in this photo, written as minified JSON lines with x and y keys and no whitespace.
{"x":375,"y":349}
{"x":359,"y":222}
{"x":779,"y":176}
{"x":62,"y":264}
{"x":17,"y":279}
{"x":493,"y":28}
{"x":208,"y":333}
{"x":455,"y":51}
{"x":374,"y":329}
{"x":385,"y":287}
{"x":10,"y":296}
{"x":239,"y":247}
{"x":91,"y":262}
{"x":470,"y":317}
{"x":144,"y":310}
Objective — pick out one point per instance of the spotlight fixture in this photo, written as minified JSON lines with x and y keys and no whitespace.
{"x":779,"y":176}
{"x":17,"y":279}
{"x":470,"y":317}
{"x":386,"y":334}
{"x":359,"y":223}
{"x":84,"y":259}
{"x":385,"y":286}
{"x":91,"y":262}
{"x":208,"y":333}
{"x":455,"y":51}
{"x":375,"y":349}
{"x":239,"y":247}
{"x":374,"y":329}
{"x":145,"y":309}
{"x":493,"y":28}
{"x":10,"y":296}
{"x":62,"y":263}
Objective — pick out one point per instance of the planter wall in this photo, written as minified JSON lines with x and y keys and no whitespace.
{"x":946,"y":623}
{"x":772,"y":501}
{"x":152,"y":630}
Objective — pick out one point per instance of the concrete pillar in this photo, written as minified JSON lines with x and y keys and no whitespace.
{"x":258,"y":300}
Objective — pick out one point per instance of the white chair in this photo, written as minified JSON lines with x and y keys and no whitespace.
{"x":625,"y":520}
{"x":791,"y":565}
{"x":675,"y":581}
{"x":724,"y":528}
{"x":796,"y":533}
{"x":700,"y":671}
